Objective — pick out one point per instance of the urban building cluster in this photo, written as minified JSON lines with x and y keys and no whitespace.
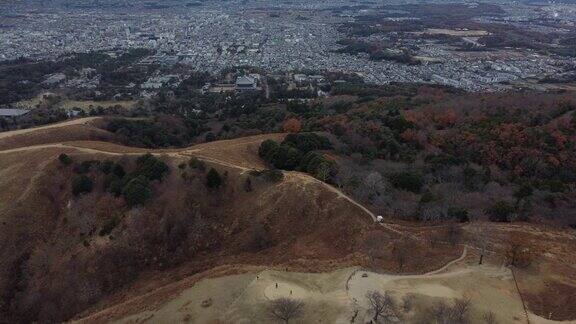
{"x":213,"y":36}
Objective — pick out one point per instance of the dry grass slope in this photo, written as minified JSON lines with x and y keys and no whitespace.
{"x":312,"y":227}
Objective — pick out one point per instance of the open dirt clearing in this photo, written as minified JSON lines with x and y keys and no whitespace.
{"x":86,"y":105}
{"x":339,"y":296}
{"x":490,"y":289}
{"x":68,"y":104}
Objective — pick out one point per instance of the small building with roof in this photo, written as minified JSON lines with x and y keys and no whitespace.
{"x":246,"y":83}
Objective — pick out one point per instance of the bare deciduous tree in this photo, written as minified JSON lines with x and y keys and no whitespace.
{"x":460,"y":309}
{"x":286,"y":309}
{"x":407,"y":302}
{"x":441,"y":312}
{"x":434,"y":212}
{"x":347,"y":175}
{"x":490,"y":318}
{"x":372,"y":181}
{"x":455,"y":314}
{"x":383,"y":306}
{"x":480,"y":238}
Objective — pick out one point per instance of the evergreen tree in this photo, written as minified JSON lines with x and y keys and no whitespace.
{"x":137,"y":191}
{"x":213,"y":179}
{"x":81,"y":184}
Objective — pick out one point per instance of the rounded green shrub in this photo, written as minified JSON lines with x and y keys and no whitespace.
{"x":81,"y":184}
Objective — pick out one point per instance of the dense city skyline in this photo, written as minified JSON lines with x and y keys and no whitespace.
{"x":212,"y":36}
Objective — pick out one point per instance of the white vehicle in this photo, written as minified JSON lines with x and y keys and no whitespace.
{"x":379,"y":219}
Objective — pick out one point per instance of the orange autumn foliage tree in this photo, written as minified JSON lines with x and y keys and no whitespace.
{"x":291,"y":125}
{"x":446,"y":118}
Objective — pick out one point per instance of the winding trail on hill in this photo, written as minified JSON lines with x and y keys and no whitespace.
{"x":447,"y":265}
{"x":197,"y":152}
{"x":342,"y":195}
{"x":193,"y":151}
{"x":203,"y":152}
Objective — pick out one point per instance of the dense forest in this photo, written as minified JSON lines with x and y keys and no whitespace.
{"x":414,"y":152}
{"x":432,"y":156}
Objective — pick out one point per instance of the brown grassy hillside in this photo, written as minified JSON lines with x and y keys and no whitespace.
{"x":76,"y":129}
{"x":64,"y":264}
{"x":56,"y":263}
